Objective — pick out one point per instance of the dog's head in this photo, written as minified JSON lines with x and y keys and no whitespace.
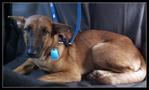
{"x":40,"y":34}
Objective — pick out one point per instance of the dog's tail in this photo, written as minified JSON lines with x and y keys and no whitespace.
{"x":108,"y":77}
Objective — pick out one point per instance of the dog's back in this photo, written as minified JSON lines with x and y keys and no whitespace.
{"x":113,"y":52}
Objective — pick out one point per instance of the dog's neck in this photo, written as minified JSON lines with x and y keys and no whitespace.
{"x":62,"y":48}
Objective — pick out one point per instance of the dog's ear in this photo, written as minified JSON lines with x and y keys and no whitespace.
{"x":63,"y":30}
{"x":60,"y":28}
{"x":20,"y":21}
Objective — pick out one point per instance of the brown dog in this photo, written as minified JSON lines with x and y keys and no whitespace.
{"x":112,"y":58}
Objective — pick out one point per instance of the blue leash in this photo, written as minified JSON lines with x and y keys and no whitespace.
{"x":53,"y":14}
{"x":77,"y":28}
{"x":54,"y":54}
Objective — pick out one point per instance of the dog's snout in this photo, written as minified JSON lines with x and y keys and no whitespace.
{"x":31,"y":52}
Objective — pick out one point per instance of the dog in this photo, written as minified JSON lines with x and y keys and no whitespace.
{"x":109,"y":58}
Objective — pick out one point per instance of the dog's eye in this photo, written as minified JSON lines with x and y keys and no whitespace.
{"x":44,"y":32}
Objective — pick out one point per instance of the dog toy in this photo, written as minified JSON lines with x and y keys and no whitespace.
{"x":54,"y":54}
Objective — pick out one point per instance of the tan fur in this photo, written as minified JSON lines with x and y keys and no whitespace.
{"x":112,"y":57}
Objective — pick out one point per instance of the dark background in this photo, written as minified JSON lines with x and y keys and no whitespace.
{"x":124,"y":18}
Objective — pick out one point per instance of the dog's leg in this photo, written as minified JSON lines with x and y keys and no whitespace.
{"x":103,"y":77}
{"x":26,"y":67}
{"x":61,"y":77}
{"x":119,"y":64}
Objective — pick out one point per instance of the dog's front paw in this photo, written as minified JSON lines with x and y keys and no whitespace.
{"x":19,"y":70}
{"x":46,"y":78}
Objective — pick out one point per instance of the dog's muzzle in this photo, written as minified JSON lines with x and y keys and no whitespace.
{"x":32,"y":52}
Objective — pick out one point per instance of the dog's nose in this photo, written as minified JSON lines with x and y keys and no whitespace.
{"x":31,"y":52}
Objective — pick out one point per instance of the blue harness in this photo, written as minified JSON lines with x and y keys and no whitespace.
{"x":54,"y":52}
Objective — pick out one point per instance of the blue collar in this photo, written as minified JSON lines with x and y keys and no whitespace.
{"x":77,"y":28}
